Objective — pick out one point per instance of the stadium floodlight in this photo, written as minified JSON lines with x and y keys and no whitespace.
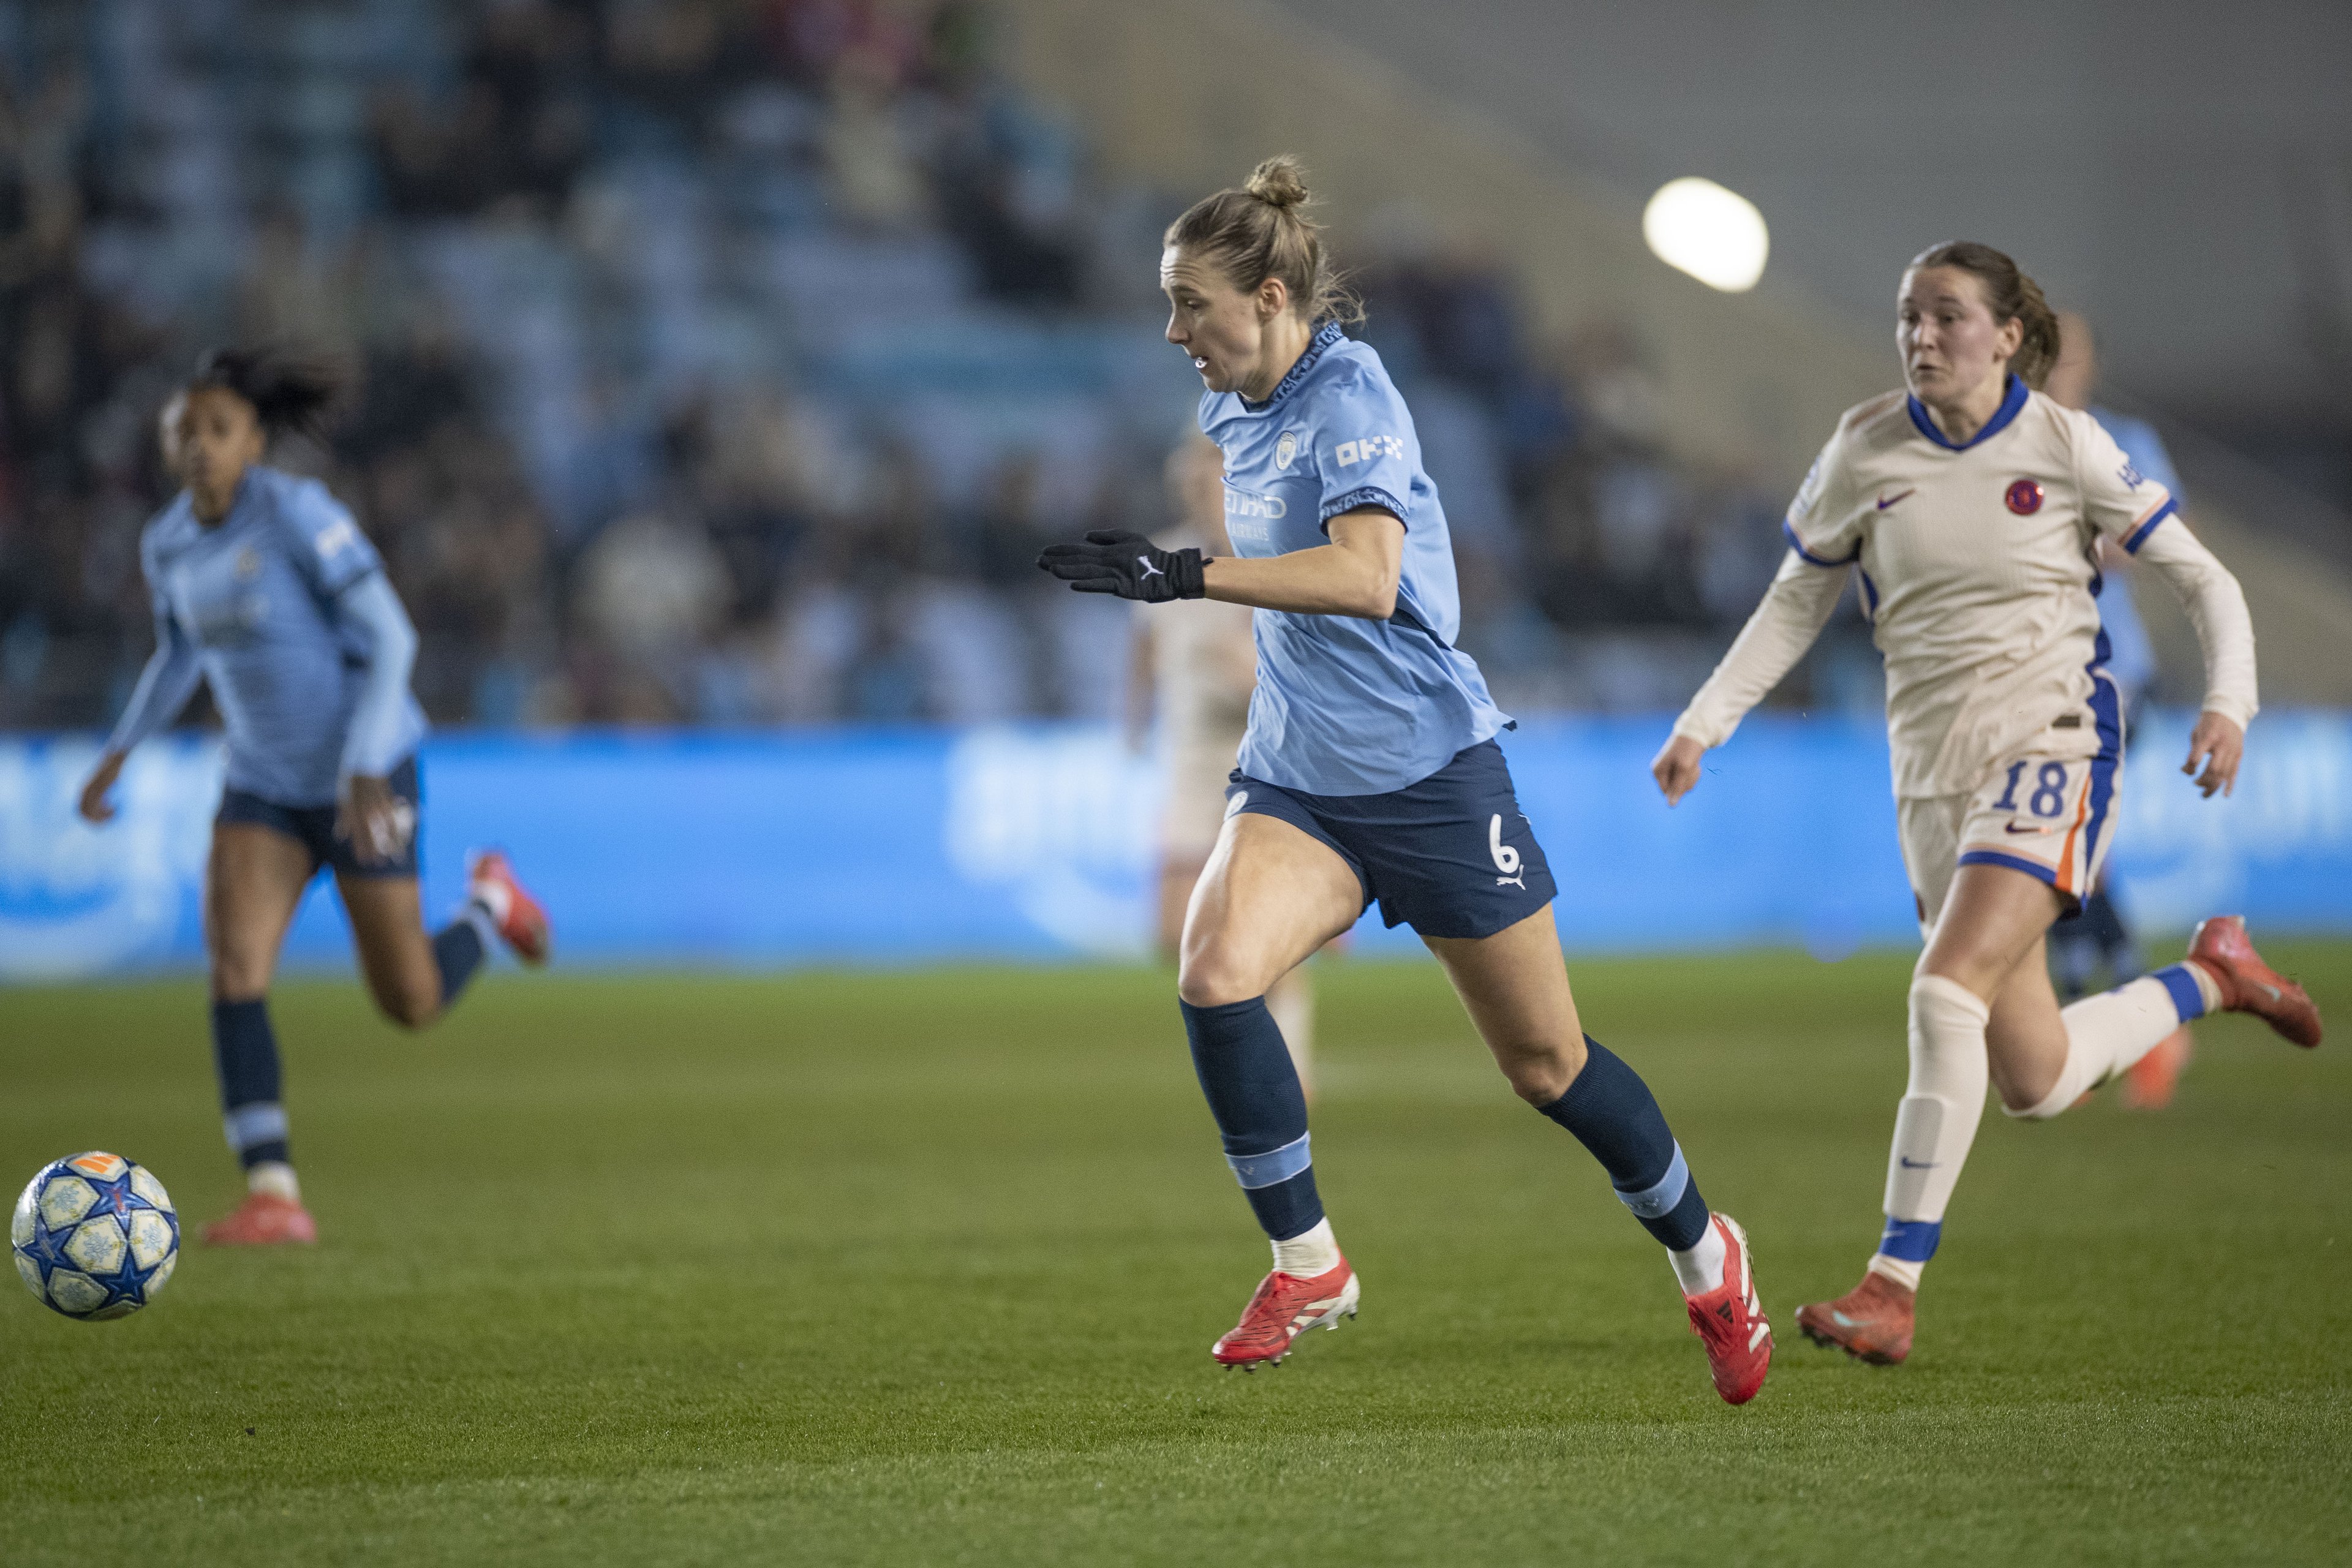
{"x":1714,"y":234}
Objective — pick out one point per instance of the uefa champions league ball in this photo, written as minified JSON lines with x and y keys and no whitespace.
{"x":95,"y":1237}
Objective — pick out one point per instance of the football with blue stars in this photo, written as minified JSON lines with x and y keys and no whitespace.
{"x":95,"y":1237}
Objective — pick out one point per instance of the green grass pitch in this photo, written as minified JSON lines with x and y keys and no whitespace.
{"x":924,"y":1267}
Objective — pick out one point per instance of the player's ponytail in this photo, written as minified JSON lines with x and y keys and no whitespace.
{"x":1261,"y":230}
{"x":2012,"y":297}
{"x":289,"y":393}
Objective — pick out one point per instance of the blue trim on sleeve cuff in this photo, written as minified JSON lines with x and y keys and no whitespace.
{"x":2014,"y":862}
{"x":2139,"y":535}
{"x":1368,"y":495}
{"x":2188,"y":996}
{"x":1910,"y":1240}
{"x":1798,"y":545}
{"x":1658,"y":1199}
{"x":1276,"y":1166}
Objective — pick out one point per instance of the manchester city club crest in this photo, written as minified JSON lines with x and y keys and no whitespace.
{"x":1286,"y":448}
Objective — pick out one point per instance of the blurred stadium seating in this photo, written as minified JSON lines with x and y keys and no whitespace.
{"x":728,"y":362}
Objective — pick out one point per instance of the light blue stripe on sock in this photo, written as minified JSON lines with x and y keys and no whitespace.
{"x":1911,"y":1240}
{"x":1275,"y":1165}
{"x":1659,"y":1198}
{"x":250,"y":1124}
{"x":2187,"y":1000}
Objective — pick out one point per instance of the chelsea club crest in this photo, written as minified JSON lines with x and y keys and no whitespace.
{"x":1286,"y":448}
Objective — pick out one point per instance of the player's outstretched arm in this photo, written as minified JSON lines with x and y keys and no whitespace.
{"x":2225,"y":630}
{"x":1355,"y":575}
{"x":164,"y":689}
{"x":1793,"y":611}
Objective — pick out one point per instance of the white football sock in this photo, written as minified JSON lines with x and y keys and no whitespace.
{"x":1291,"y":1000}
{"x":2106,"y":1032}
{"x":478,"y":914}
{"x":1937,"y":1121}
{"x":275,"y":1177}
{"x":1309,"y":1252}
{"x":1700,"y":1268}
{"x":491,"y":895}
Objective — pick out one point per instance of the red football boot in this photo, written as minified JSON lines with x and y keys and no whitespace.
{"x":2149,"y":1081}
{"x":264,"y":1219}
{"x":2220,"y":948}
{"x":522,"y":924}
{"x":1871,"y":1323}
{"x":1730,"y":1321}
{"x":1284,"y":1306}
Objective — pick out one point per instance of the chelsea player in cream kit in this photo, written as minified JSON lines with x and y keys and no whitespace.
{"x":1969,"y":507}
{"x":265,"y":590}
{"x":1368,"y":773}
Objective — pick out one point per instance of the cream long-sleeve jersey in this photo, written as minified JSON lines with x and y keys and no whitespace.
{"x":1978,"y":572}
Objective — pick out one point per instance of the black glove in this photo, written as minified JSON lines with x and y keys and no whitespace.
{"x":1115,"y":560}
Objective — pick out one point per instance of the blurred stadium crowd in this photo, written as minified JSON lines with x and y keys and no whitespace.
{"x":728,"y":361}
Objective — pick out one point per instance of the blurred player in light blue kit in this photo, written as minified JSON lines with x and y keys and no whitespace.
{"x":264,"y":588}
{"x":1369,"y":772}
{"x":2098,"y":936}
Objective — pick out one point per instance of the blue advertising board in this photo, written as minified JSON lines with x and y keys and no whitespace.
{"x":1032,"y":842}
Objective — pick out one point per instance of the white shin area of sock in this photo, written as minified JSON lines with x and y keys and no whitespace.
{"x":483,"y":920}
{"x":2104,"y":1035}
{"x":1699,"y":1269}
{"x":1309,"y":1252}
{"x":492,"y":897}
{"x":275,"y":1177}
{"x":1942,"y":1103}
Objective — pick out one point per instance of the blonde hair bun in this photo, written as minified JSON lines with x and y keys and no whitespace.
{"x":1278,"y":183}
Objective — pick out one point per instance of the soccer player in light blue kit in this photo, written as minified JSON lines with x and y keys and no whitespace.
{"x":264,"y":588}
{"x":1370,"y":772}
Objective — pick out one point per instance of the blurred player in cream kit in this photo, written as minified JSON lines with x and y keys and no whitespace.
{"x":1971,"y":506}
{"x":1196,"y":669}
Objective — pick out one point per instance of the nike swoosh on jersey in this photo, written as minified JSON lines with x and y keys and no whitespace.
{"x":2012,"y":827}
{"x":1909,"y":1163}
{"x":1885,"y":501}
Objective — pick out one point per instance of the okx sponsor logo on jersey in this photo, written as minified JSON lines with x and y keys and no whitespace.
{"x":1366,"y":449}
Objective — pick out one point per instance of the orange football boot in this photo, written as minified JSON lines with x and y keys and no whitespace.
{"x":2149,"y":1081}
{"x":523,"y":922}
{"x":2221,"y":949}
{"x":1730,"y":1321}
{"x":1284,"y":1306}
{"x":264,"y":1219}
{"x":1871,"y":1323}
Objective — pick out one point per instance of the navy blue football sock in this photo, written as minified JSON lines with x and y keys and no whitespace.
{"x":1613,"y":1114}
{"x":1253,"y":1092}
{"x":244,"y":1056}
{"x":458,"y":951}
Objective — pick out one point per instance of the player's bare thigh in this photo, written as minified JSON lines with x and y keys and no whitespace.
{"x":253,"y":884}
{"x":395,"y":956}
{"x":1514,"y":984}
{"x":1269,"y":896}
{"x":1989,"y":940}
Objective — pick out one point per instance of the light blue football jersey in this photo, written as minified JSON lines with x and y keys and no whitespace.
{"x":1347,"y":706}
{"x":255,"y":596}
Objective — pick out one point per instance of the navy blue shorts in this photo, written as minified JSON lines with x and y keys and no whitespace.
{"x":1451,"y":856}
{"x":314,"y":826}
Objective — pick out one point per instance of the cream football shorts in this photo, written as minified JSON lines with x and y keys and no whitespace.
{"x":2050,"y":817}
